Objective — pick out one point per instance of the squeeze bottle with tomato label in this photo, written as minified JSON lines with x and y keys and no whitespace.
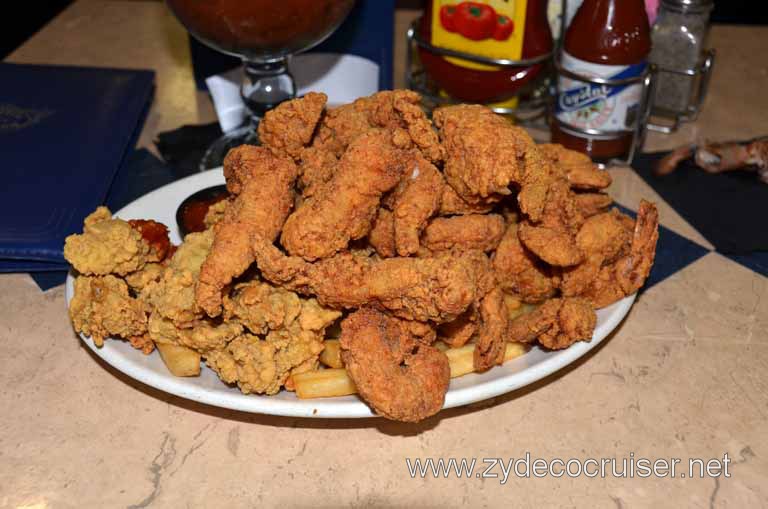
{"x":606,"y":39}
{"x":497,"y":29}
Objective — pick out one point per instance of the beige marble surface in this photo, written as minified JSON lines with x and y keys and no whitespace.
{"x":683,"y":376}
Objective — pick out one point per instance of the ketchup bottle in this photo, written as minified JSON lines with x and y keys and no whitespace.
{"x":606,"y":39}
{"x":517,"y":30}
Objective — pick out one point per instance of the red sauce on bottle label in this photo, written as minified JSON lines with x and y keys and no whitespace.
{"x":606,"y":39}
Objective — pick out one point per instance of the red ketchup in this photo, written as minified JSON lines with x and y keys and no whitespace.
{"x":191,"y":214}
{"x":606,"y":39}
{"x":491,"y":28}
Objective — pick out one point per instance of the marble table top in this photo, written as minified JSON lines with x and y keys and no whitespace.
{"x":685,"y":376}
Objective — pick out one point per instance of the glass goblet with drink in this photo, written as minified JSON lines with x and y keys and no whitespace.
{"x":264,"y":33}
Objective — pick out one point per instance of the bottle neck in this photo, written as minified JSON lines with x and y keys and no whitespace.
{"x":610,"y":32}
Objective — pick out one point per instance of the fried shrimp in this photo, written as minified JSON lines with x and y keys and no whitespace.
{"x":557,"y":324}
{"x":628,"y":273}
{"x":578,"y":168}
{"x":519,"y":272}
{"x":416,"y":199}
{"x":474,"y":231}
{"x":400,"y":377}
{"x":489,"y":350}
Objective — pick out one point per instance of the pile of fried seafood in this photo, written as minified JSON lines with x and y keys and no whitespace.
{"x":415,"y":235}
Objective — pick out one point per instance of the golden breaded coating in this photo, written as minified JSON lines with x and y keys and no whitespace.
{"x":387,"y":109}
{"x":215,"y":213}
{"x":263,"y":185}
{"x":519,"y":272}
{"x":288,"y":128}
{"x":437,"y":289}
{"x":346,"y":206}
{"x":264,"y":365}
{"x":400,"y":377}
{"x":418,"y":125}
{"x":261,"y":307}
{"x":627,"y":274}
{"x":453,"y":204}
{"x":538,"y":175}
{"x":203,"y":335}
{"x":557,"y":324}
{"x":476,"y":231}
{"x":102,"y":307}
{"x":106,"y":246}
{"x":415,"y":200}
{"x":150,"y":273}
{"x":602,"y":239}
{"x":590,"y":204}
{"x":316,"y":168}
{"x":578,"y":168}
{"x":483,"y":151}
{"x":382,"y":234}
{"x":553,"y":239}
{"x":456,"y":333}
{"x":492,"y":333}
{"x":173,"y":295}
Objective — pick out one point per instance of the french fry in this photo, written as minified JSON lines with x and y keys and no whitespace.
{"x":331,"y":354}
{"x":441,"y":346}
{"x":461,"y":359}
{"x":328,"y":383}
{"x":180,"y":360}
{"x":514,"y":350}
{"x":516,"y":307}
{"x":324,"y":383}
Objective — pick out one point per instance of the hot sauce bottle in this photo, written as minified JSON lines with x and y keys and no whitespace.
{"x":606,"y":39}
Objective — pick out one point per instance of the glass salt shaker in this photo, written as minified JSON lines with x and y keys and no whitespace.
{"x":678,"y":52}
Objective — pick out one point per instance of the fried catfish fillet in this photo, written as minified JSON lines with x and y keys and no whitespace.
{"x":425,"y":289}
{"x":263,"y":187}
{"x":344,"y":209}
{"x":288,"y":128}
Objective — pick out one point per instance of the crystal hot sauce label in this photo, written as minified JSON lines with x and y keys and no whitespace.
{"x":591,"y":106}
{"x":487,"y":28}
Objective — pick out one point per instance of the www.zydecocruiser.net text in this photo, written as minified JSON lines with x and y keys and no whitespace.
{"x":629,"y":467}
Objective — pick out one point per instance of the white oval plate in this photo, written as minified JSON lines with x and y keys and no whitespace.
{"x":161,"y":205}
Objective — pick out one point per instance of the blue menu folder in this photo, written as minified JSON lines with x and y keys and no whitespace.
{"x":64,"y":132}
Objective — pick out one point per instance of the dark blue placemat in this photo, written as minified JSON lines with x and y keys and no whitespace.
{"x":728,"y":209}
{"x":673,"y":253}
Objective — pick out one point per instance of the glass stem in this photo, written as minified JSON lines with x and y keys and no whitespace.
{"x":265,"y":85}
